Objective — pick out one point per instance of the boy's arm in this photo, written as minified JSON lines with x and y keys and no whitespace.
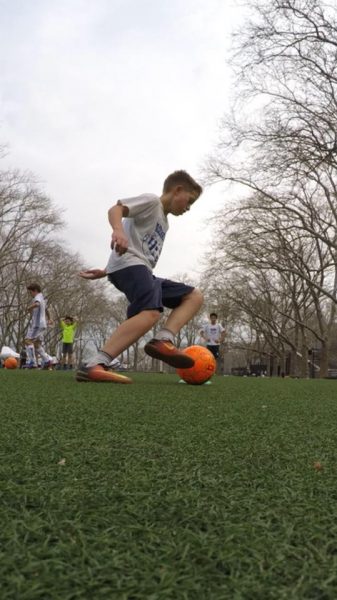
{"x":119,"y":240}
{"x":32,"y":306}
{"x":93,"y":273}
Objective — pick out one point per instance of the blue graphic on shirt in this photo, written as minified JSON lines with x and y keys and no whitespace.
{"x":153,"y":243}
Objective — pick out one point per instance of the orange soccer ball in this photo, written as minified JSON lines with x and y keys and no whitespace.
{"x":11,"y":363}
{"x":204,"y":366}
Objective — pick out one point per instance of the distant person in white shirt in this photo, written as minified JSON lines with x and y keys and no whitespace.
{"x":214,"y":334}
{"x":36,"y":328}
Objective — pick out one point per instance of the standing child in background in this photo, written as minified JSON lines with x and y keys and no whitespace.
{"x":68,"y":326}
{"x":36,"y":328}
{"x":214,"y":334}
{"x":139,"y":226}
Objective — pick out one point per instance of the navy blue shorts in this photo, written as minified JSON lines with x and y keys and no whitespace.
{"x":67,"y":348}
{"x":144,"y":291}
{"x":215,"y":349}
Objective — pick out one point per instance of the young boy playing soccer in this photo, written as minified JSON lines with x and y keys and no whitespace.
{"x":36,"y":328}
{"x":139,"y":226}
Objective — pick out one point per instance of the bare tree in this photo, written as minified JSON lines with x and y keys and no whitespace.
{"x":27,"y":219}
{"x":278,"y":145}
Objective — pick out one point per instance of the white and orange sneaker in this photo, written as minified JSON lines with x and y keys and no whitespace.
{"x":100,"y":374}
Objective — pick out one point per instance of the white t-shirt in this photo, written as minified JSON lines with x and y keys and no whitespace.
{"x":145,"y":226}
{"x":38,"y":318}
{"x":212,"y":333}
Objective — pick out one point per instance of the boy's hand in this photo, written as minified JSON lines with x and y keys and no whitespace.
{"x":119,"y":241}
{"x":93,"y":274}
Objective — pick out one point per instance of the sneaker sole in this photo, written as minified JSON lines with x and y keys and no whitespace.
{"x":178,"y":361}
{"x":83,"y":377}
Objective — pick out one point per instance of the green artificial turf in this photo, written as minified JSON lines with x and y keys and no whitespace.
{"x":159,"y":490}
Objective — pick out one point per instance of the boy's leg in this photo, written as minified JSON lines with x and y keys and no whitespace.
{"x":214,"y":349}
{"x":63,"y":357}
{"x":124,"y":336}
{"x":130,"y":331}
{"x":181,"y":315}
{"x":39,"y":349}
{"x":134,"y":328}
{"x":162,"y":347}
{"x":69,"y":355}
{"x":31,"y":358}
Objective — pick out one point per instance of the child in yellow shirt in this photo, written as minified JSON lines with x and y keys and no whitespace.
{"x":68,"y":327}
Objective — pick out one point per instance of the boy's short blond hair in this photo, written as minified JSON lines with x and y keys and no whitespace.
{"x":184,"y":179}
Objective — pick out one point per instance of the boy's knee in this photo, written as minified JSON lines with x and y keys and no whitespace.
{"x":153,"y":315}
{"x":197,"y":296}
{"x":156,"y":315}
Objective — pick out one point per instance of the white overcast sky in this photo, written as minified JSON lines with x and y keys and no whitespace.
{"x":102,"y":99}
